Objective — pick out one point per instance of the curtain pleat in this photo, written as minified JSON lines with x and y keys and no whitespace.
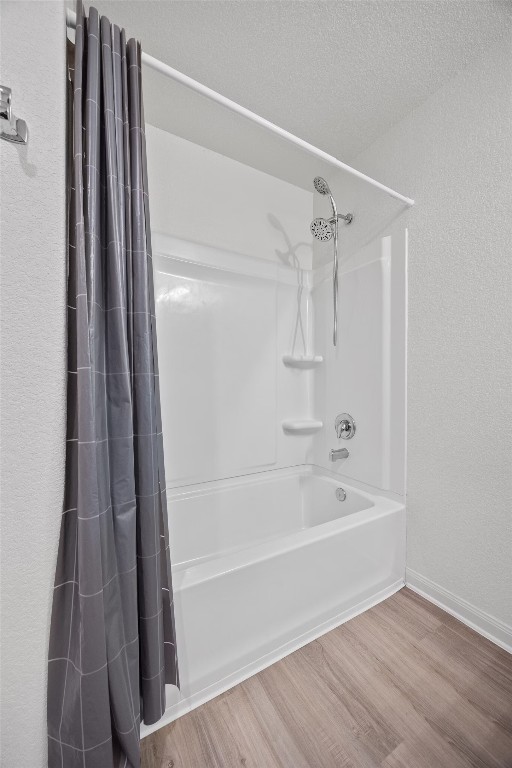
{"x":112,"y":639}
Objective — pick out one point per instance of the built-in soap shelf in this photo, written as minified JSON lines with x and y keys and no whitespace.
{"x":302,"y":361}
{"x":302,"y":426}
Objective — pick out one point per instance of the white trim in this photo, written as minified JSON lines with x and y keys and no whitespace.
{"x":486,"y":625}
{"x":201,"y":697}
{"x":168,"y":247}
{"x":194,"y":85}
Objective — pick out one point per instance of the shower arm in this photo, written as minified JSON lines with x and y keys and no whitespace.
{"x":347,"y":217}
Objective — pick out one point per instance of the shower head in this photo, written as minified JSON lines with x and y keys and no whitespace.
{"x":321,"y":185}
{"x":321,"y":229}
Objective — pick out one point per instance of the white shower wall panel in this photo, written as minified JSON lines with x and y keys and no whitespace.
{"x":354,"y":380}
{"x":224,"y":321}
{"x":218,"y":369}
{"x":232,"y":247}
{"x":365,"y":374}
{"x":237,"y":242}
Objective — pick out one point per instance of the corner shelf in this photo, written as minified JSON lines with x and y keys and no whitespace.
{"x":302,"y":426}
{"x":297,"y":361}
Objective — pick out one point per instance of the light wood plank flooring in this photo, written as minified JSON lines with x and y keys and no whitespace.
{"x":404,"y":685}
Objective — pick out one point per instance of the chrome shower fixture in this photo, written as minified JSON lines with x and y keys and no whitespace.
{"x":324,"y":230}
{"x":321,"y":185}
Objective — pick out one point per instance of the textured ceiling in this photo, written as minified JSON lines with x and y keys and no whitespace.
{"x":337,"y":74}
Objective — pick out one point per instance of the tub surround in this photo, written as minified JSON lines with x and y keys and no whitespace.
{"x":266,"y":556}
{"x":234,"y":404}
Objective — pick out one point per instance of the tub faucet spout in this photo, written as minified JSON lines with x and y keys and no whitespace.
{"x":338,"y":453}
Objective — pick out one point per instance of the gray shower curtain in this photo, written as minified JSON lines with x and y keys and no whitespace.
{"x":112,"y":640}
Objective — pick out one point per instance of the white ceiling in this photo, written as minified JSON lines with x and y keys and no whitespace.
{"x":337,"y":73}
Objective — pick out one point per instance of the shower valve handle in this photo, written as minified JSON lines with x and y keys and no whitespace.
{"x":345,"y":426}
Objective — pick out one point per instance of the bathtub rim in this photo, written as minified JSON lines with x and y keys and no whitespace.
{"x":256,"y":476}
{"x":188,"y":577}
{"x":235,"y":561}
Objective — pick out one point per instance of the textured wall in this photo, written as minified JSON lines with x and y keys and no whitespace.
{"x":336,"y":73}
{"x":453,"y":155}
{"x":33,"y":365}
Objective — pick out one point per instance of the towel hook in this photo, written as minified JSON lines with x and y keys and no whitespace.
{"x":11,"y":127}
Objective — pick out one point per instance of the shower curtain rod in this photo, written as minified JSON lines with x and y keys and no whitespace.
{"x":194,"y":85}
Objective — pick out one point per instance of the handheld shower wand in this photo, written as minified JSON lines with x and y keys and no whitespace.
{"x":322,"y":186}
{"x":324,"y":230}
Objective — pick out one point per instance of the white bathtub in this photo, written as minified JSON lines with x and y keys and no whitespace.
{"x":265,"y":563}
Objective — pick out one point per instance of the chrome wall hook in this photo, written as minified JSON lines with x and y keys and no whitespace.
{"x":11,"y":128}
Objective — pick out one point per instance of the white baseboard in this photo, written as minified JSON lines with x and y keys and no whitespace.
{"x":488,"y":626}
{"x":187,"y":704}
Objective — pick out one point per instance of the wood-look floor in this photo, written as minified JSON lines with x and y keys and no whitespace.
{"x":404,"y":685}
